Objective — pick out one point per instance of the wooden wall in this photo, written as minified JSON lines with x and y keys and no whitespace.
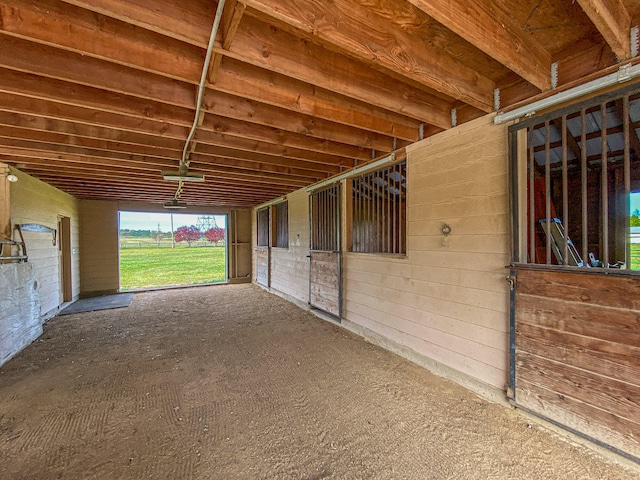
{"x":33,"y":201}
{"x":290,"y":266}
{"x":578,"y":353}
{"x":446,"y":302}
{"x":20,"y":321}
{"x":447,"y":299}
{"x":239,"y":235}
{"x":100,"y":257}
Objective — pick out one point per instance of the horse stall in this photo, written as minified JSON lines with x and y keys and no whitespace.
{"x":575,"y":289}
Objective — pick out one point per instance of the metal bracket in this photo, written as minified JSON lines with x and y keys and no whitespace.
{"x":624,"y":73}
{"x":554,"y":75}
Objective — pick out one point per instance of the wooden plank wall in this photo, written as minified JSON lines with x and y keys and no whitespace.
{"x":33,"y":201}
{"x":290,"y":266}
{"x":100,"y":260}
{"x":578,"y":353}
{"x":262,"y":266}
{"x":324,"y":284}
{"x":20,"y":322}
{"x":446,"y":301}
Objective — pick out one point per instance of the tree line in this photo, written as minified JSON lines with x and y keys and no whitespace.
{"x":187,"y":234}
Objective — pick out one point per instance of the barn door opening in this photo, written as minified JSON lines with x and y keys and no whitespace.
{"x":324,"y":252}
{"x":263,"y":252}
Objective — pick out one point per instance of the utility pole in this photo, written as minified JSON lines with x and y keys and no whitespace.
{"x":173,"y":239}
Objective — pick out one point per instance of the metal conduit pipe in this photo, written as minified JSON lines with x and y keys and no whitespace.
{"x":184,"y":161}
{"x":203,"y":81}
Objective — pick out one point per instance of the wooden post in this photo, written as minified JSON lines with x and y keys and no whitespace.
{"x":5,"y":209}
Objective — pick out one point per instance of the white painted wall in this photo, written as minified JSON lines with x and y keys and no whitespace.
{"x":33,"y":201}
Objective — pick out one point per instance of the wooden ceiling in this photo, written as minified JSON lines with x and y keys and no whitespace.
{"x":97,"y":97}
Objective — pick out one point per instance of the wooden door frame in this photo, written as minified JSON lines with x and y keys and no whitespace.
{"x":65,"y":259}
{"x":339,"y":226}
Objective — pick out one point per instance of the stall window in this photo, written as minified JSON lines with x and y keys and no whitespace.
{"x":281,"y":223}
{"x":573,"y":174}
{"x":380,"y":210}
{"x":262,"y":223}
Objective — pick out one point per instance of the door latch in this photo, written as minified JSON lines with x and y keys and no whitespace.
{"x":512,"y":282}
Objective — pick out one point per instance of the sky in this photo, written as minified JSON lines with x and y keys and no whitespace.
{"x":150,"y":221}
{"x":635,"y":202}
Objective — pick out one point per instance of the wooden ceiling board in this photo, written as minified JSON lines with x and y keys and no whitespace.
{"x":98,"y":96}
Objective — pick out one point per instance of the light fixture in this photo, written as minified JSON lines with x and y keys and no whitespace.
{"x":174,"y":205}
{"x":183,"y":176}
{"x":12,"y":178}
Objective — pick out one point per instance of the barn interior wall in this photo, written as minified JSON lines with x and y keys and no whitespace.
{"x":446,"y":300}
{"x":289,"y":266}
{"x":33,"y":201}
{"x":100,"y":261}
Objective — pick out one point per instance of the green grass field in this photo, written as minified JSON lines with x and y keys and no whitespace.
{"x":635,"y":256}
{"x":151,"y":266}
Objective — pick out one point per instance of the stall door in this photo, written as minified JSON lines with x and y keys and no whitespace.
{"x":575,"y":353}
{"x":324,"y":253}
{"x":262,"y":247}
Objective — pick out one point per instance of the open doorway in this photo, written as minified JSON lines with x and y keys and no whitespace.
{"x":168,"y":249}
{"x":634,"y":220}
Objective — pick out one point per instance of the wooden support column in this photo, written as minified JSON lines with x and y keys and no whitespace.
{"x":5,"y":208}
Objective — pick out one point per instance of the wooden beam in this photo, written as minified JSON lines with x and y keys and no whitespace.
{"x":274,"y":49}
{"x":146,"y":180}
{"x":230,"y":106}
{"x":80,"y":130}
{"x":92,"y":118}
{"x":571,"y":141}
{"x":613,"y":21}
{"x":33,"y":86}
{"x":229,"y":126}
{"x":248,"y":81}
{"x":25,"y":56}
{"x":130,"y":163}
{"x":55,"y":23}
{"x":231,"y":16}
{"x":370,"y":34}
{"x":217,"y":139}
{"x":209,"y":151}
{"x":185,"y":20}
{"x":56,"y":138}
{"x":118,"y":127}
{"x":490,"y":27}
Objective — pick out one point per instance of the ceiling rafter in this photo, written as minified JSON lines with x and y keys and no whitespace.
{"x":97,"y":96}
{"x":613,"y":21}
{"x":491,"y":29}
{"x":274,"y":49}
{"x":231,"y":17}
{"x":54,"y":23}
{"x":374,"y":38}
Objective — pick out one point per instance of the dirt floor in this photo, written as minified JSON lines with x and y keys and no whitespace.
{"x":230,"y":382}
